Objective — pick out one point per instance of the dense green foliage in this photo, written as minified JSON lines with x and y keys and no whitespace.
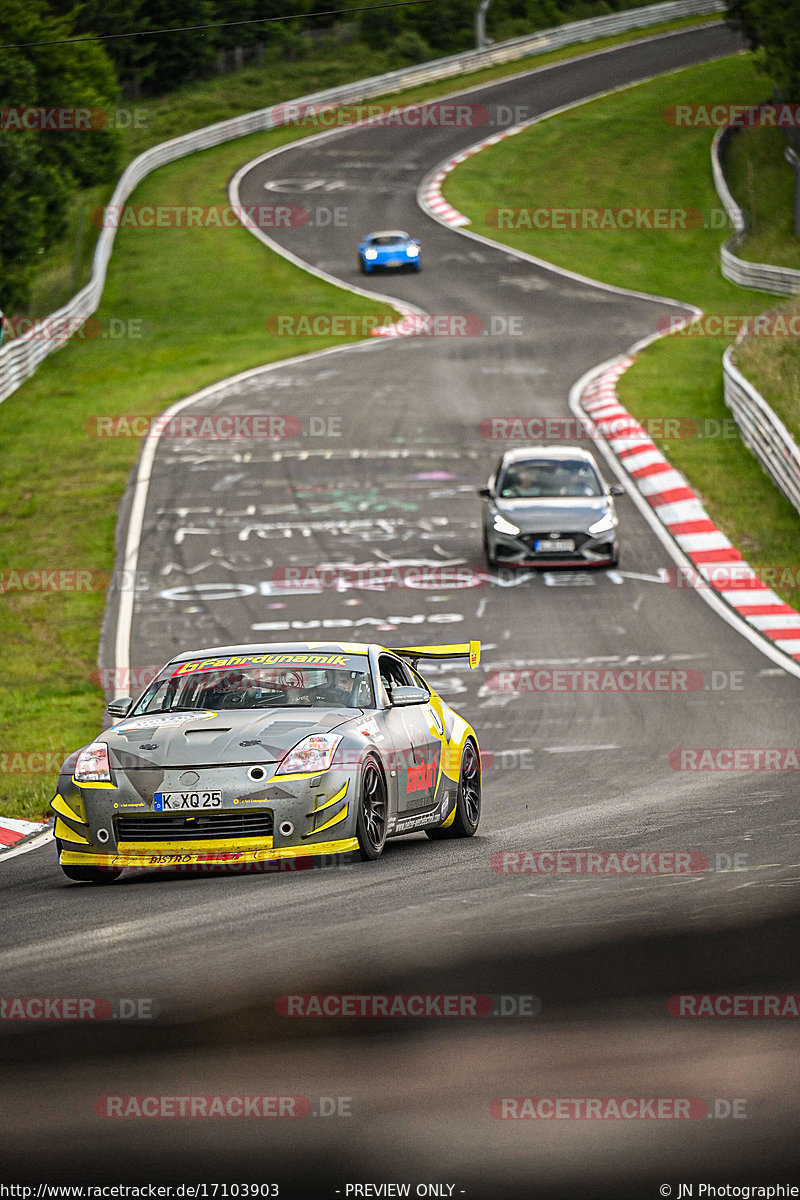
{"x":40,"y":169}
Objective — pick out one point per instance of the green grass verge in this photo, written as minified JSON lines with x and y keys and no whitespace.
{"x":762,"y":183}
{"x":619,"y":151}
{"x":67,"y":265}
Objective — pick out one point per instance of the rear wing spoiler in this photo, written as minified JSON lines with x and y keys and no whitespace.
{"x":470,"y":650}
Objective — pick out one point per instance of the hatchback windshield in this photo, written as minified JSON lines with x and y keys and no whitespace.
{"x":540,"y":477}
{"x":259,"y":681}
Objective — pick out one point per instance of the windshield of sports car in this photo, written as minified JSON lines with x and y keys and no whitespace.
{"x":538,"y":478}
{"x":390,"y":239}
{"x":260,"y":681}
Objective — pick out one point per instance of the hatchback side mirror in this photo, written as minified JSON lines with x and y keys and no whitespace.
{"x":616,"y":489}
{"x":485,"y":493}
{"x":121,"y":707}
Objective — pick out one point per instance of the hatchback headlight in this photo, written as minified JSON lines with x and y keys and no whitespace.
{"x":604,"y":525}
{"x":504,"y":526}
{"x":314,"y":753}
{"x":92,"y":765}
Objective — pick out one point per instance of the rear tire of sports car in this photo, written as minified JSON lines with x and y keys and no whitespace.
{"x":372,"y":812}
{"x":87,"y":874}
{"x":468,"y":803}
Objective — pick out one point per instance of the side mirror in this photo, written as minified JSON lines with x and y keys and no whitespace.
{"x":616,"y":489}
{"x":401,"y":696}
{"x":121,"y":707}
{"x":485,"y":493}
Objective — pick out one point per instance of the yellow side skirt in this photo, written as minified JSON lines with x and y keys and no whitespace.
{"x":169,"y":854}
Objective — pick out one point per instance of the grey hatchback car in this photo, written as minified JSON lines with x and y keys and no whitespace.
{"x":549,"y":506}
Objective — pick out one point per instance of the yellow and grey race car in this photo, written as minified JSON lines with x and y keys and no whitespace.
{"x":240,"y":755}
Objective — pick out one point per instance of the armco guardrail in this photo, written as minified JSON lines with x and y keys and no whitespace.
{"x":780,"y":281}
{"x":762,"y":430}
{"x":20,"y":358}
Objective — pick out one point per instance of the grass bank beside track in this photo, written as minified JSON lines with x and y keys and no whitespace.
{"x":204,"y":296}
{"x":619,"y":151}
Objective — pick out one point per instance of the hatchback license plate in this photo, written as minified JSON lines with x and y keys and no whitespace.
{"x":169,"y":801}
{"x":548,"y":546}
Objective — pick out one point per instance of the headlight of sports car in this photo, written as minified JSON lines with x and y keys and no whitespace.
{"x":412,"y":251}
{"x":314,"y":753}
{"x":370,"y":253}
{"x":604,"y":525}
{"x":92,"y":765}
{"x":504,"y":526}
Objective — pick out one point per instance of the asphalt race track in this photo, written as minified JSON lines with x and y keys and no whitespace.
{"x":385,"y":471}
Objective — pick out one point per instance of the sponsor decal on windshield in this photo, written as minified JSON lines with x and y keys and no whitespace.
{"x":261,"y":660}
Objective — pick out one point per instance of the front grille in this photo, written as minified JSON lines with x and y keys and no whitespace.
{"x":529,"y":540}
{"x":193,"y":827}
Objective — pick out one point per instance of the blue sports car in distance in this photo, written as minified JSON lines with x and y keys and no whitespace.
{"x":391,"y":248}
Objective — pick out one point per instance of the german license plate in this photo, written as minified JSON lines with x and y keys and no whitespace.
{"x":549,"y":546}
{"x":395,"y":262}
{"x":169,"y":801}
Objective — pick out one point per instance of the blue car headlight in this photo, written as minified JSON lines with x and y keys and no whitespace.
{"x":370,"y":253}
{"x":412,"y":251}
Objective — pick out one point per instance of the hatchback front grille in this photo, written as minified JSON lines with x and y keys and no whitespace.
{"x":530,"y":539}
{"x":192,"y":827}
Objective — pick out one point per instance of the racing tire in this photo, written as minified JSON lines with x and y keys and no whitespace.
{"x":468,"y":802}
{"x":372,"y":812}
{"x":362,"y":266}
{"x":87,"y":874}
{"x":491,"y":560}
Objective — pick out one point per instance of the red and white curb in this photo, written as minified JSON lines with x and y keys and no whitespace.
{"x":719,"y":565}
{"x":430,"y":195}
{"x":12,"y":831}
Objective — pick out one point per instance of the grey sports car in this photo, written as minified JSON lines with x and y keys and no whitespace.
{"x":549,"y":506}
{"x":251,"y":754}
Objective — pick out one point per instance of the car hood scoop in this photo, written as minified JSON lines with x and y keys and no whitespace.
{"x":211,"y":738}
